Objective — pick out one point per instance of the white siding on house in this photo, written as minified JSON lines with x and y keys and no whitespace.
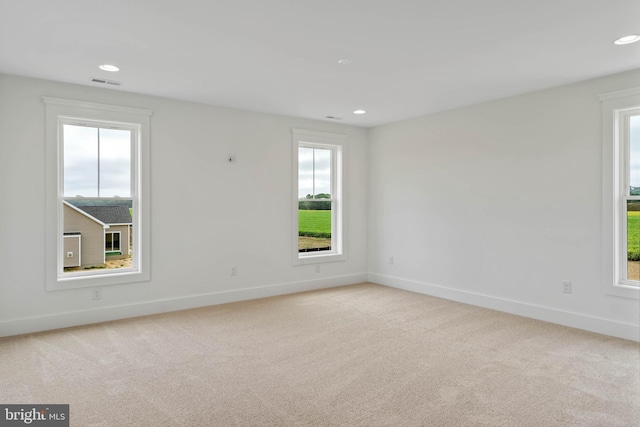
{"x":92,"y":236}
{"x":71,"y":250}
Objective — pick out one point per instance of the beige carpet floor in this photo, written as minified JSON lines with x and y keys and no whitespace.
{"x":361,"y":355}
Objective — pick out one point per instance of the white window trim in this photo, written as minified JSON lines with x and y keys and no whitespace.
{"x":336,"y":142}
{"x":119,"y":241}
{"x":614,"y":106}
{"x":59,"y":109}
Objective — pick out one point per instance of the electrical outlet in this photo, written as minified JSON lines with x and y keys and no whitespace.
{"x":566,"y":287}
{"x":96,"y":293}
{"x":391,"y":260}
{"x":234,"y":270}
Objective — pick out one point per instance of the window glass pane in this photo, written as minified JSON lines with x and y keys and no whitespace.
{"x":634,"y":155}
{"x":314,"y":226}
{"x":633,"y":239}
{"x":108,"y":241}
{"x":86,"y":222}
{"x":115,"y":163}
{"x":322,"y":173}
{"x":305,"y":172}
{"x":314,"y":173}
{"x":80,"y":148}
{"x":116,"y":241}
{"x":97,"y":166}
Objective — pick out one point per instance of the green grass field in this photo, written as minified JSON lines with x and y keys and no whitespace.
{"x":314,"y":223}
{"x":318,"y":224}
{"x":633,"y":234}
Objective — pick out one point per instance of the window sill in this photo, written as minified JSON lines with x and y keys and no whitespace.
{"x":316,"y":259}
{"x":623,"y":291}
{"x":71,"y":281}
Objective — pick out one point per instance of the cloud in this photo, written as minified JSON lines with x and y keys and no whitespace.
{"x":634,"y":151}
{"x":97,"y":159}
{"x":314,"y":171}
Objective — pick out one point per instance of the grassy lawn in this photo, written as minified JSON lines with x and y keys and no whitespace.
{"x":318,"y":224}
{"x":314,"y":223}
{"x":633,"y":232}
{"x":314,"y":229}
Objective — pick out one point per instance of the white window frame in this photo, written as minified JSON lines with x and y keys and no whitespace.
{"x":617,"y":107}
{"x":337,"y":144}
{"x":61,"y":111}
{"x":119,"y":241}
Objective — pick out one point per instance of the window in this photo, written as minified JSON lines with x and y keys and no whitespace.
{"x":629,"y":139}
{"x":97,"y":191}
{"x":621,"y":193}
{"x":112,"y":242}
{"x":318,"y":205}
{"x":97,"y":171}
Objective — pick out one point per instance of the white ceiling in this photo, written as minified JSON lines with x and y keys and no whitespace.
{"x":410,"y":57}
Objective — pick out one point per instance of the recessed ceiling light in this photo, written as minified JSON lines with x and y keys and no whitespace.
{"x":632,"y":38}
{"x":345,"y":61}
{"x":109,"y":67}
{"x":359,"y":112}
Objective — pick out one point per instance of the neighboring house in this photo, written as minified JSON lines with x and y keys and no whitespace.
{"x":92,"y":232}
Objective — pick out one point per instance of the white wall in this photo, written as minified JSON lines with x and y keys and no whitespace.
{"x":207,"y":215}
{"x":494,"y":204}
{"x":497,"y":204}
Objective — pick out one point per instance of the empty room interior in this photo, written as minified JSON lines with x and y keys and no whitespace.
{"x":336,"y":213}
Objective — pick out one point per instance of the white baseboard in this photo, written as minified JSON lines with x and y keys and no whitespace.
{"x":104,"y":314}
{"x":547,"y":314}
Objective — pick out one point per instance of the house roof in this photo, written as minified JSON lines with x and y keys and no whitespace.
{"x":109,"y":214}
{"x":75,"y":208}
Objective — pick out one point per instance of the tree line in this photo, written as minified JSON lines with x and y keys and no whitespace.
{"x":312,"y":203}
